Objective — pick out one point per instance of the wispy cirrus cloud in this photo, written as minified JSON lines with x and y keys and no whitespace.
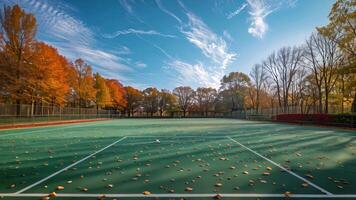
{"x":140,"y":64}
{"x":259,"y":11}
{"x":212,"y":46}
{"x":194,"y":74}
{"x":74,"y":39}
{"x":126,"y":4}
{"x":137,"y":32}
{"x":237,"y":11}
{"x":227,"y":35}
{"x":161,"y":7}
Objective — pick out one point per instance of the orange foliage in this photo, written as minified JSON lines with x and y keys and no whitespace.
{"x":48,"y":78}
{"x":18,"y":30}
{"x":117,"y":92}
{"x":82,"y":82}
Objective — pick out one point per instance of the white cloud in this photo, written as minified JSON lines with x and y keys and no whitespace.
{"x":259,"y":11}
{"x":137,"y":32}
{"x":140,"y":64}
{"x":211,"y":45}
{"x":160,"y":6}
{"x":194,"y":74}
{"x":73,"y":38}
{"x":236,"y":12}
{"x":227,"y":35}
{"x":123,"y":50}
{"x":126,"y":5}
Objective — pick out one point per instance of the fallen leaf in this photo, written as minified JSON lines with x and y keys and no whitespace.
{"x":59,"y":187}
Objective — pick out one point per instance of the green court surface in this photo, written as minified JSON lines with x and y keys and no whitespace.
{"x":174,"y":158}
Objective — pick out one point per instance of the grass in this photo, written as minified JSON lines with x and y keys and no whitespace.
{"x":192,"y":153}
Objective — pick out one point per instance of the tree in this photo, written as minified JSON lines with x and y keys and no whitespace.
{"x":82,"y":82}
{"x":324,"y":59}
{"x":18,"y":30}
{"x":185,"y":95}
{"x":167,"y":102}
{"x":234,"y":89}
{"x":205,"y":98}
{"x":117,"y":94}
{"x":282,"y":67}
{"x":47,"y":75}
{"x":103,"y":97}
{"x":258,"y":76}
{"x":342,"y":30}
{"x":150,"y":100}
{"x":342,"y":27}
{"x":133,"y":98}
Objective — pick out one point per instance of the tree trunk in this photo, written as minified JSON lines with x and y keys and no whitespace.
{"x":354,"y":104}
{"x":320,"y":101}
{"x":18,"y":107}
{"x":326,"y":101}
{"x":342,"y":92}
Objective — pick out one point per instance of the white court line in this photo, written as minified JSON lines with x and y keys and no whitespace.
{"x":69,"y":166}
{"x":178,"y":136}
{"x":281,"y":167}
{"x":177,"y":195}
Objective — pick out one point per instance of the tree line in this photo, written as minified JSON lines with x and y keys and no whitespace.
{"x":319,"y":73}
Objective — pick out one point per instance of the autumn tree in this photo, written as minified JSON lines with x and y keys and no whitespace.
{"x":342,"y":30}
{"x":18,"y":30}
{"x":82,"y":83}
{"x":342,"y":27}
{"x":133,"y":98}
{"x":234,"y":90}
{"x":185,"y":96}
{"x":205,"y":98}
{"x":117,"y":94}
{"x":324,"y":59}
{"x":47,"y":75}
{"x":103,"y":97}
{"x":150,"y":100}
{"x":167,"y":102}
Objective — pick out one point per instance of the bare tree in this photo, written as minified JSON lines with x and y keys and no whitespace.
{"x":258,"y":76}
{"x":205,"y":98}
{"x":282,"y":67}
{"x":324,"y":61}
{"x":185,"y":97}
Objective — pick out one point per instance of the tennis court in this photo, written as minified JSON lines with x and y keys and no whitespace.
{"x":178,"y":158}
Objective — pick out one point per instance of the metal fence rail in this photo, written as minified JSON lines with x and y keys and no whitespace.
{"x":11,"y":114}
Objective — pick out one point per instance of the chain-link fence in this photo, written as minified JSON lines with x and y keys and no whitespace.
{"x":11,"y":114}
{"x":336,"y":115}
{"x":270,"y":113}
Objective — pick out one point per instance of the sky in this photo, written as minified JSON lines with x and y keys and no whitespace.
{"x":170,"y":43}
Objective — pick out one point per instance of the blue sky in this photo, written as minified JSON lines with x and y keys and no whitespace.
{"x":168,"y":43}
